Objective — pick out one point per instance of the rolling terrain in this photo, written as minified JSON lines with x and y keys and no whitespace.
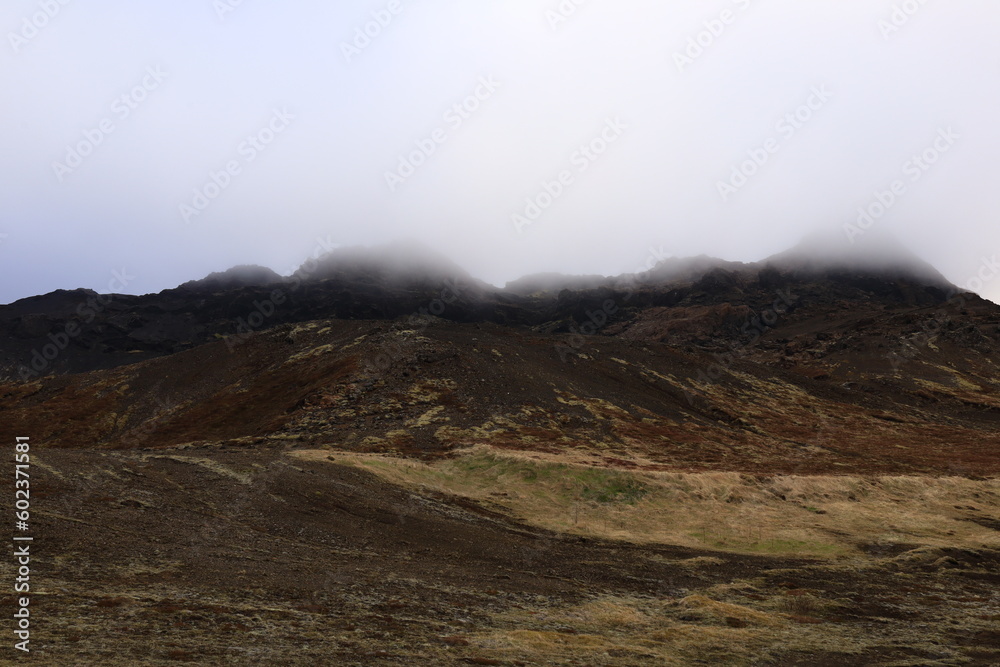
{"x":382,"y":460}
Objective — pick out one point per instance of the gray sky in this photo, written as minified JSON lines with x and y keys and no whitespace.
{"x":830,"y":101}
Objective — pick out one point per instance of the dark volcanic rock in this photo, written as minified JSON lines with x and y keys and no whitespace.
{"x":236,"y":277}
{"x":697,"y":301}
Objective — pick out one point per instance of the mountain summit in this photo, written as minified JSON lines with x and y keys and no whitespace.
{"x":877,"y":253}
{"x":699,"y":301}
{"x":392,"y":265}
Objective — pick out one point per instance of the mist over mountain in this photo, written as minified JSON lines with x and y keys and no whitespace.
{"x":608,"y":334}
{"x":681,"y":300}
{"x":875,"y":253}
{"x":236,"y":277}
{"x":414,"y":264}
{"x":550,"y":282}
{"x":690,"y":268}
{"x":402,"y":263}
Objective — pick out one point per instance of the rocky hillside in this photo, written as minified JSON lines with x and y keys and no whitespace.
{"x":772,"y":366}
{"x":378,"y":462}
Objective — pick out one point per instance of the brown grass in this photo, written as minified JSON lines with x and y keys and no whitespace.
{"x":826,"y":516}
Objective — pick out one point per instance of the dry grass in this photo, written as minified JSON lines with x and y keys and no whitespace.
{"x":628,"y":630}
{"x":827,"y":516}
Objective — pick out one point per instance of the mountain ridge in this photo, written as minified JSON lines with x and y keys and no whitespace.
{"x":740,"y":449}
{"x":699,"y":301}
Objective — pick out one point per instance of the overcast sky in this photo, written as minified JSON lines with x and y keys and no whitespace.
{"x":170,"y":140}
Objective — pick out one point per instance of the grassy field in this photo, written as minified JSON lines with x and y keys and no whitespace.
{"x":818,"y":516}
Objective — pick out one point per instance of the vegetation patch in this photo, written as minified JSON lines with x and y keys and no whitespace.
{"x":787,"y":515}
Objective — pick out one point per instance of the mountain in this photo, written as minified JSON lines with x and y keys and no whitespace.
{"x":876,"y":253}
{"x":540,"y":283}
{"x":394,"y":265}
{"x":887,"y":339}
{"x":234,"y":278}
{"x":382,"y":460}
{"x":699,"y":301}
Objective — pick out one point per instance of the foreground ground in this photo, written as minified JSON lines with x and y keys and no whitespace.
{"x":266,"y":552}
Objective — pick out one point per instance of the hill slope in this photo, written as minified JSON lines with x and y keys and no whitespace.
{"x":781,"y":463}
